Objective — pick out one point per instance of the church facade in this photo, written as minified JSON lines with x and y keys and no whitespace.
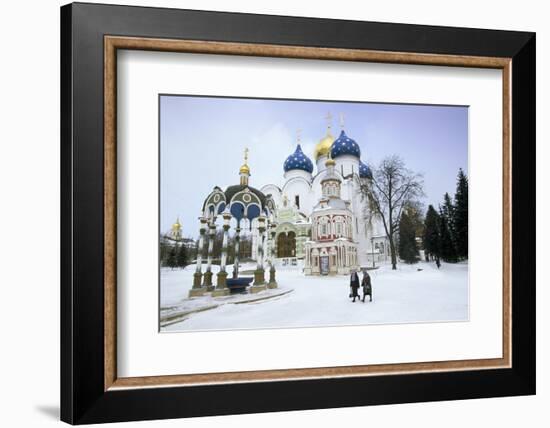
{"x":322,"y":220}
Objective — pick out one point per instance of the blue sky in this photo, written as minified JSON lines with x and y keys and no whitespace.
{"x":202,"y":140}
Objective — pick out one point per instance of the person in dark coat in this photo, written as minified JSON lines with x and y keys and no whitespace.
{"x":354,"y":285}
{"x":367,"y":286}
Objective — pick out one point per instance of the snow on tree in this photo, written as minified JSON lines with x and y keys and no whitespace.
{"x":460,"y":218}
{"x":408,"y":252}
{"x":392,"y":188}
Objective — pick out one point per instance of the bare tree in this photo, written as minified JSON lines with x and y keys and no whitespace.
{"x":392,"y":188}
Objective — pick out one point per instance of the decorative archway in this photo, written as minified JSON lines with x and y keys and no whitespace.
{"x":286,"y":244}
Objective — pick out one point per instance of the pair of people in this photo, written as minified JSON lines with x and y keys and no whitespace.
{"x":366,"y":284}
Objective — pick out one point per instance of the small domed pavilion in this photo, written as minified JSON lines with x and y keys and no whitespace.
{"x":240,"y":202}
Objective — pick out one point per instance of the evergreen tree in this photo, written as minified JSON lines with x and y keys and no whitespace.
{"x":447,"y":252}
{"x":181,"y":257}
{"x":164,"y":252}
{"x":448,"y":211}
{"x":432,"y":236}
{"x":408,"y":252}
{"x":460,"y":220}
{"x":172,"y":261}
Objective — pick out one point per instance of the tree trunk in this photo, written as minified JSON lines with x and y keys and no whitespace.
{"x":393,"y":255}
{"x":392,"y":244}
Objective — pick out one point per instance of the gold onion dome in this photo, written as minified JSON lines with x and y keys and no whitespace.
{"x":323,"y":146}
{"x":176,"y":225}
{"x":244,"y":168}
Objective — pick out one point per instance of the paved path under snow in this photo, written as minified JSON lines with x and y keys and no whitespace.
{"x":405,"y":295}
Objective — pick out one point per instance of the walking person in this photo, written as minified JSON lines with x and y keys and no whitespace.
{"x":367,"y":286}
{"x":354,"y":285}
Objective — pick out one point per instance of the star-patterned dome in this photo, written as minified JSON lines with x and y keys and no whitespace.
{"x":298,"y":160}
{"x":344,"y":146}
{"x":364,"y":170}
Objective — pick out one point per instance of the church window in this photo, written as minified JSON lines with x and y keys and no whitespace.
{"x":297,"y":201}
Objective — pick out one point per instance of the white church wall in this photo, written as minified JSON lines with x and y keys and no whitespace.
{"x":298,"y":186}
{"x":321,"y":164}
{"x":347,"y":164}
{"x":274,"y":191}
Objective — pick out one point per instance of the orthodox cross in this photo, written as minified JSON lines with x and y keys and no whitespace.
{"x":329,"y":120}
{"x":342,"y":120}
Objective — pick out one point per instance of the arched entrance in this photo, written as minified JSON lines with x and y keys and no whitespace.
{"x":286,"y":245}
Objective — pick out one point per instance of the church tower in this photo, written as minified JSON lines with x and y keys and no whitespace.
{"x":175,"y":233}
{"x":331,"y":183}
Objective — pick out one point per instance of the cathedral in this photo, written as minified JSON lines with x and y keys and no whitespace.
{"x":322,"y":220}
{"x":316,"y":221}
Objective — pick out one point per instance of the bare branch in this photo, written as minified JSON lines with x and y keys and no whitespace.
{"x":392,"y":188}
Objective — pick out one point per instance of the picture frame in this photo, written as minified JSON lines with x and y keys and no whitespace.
{"x":91,"y":391}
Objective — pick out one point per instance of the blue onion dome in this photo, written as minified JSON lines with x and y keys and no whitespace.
{"x":344,"y":146}
{"x":298,"y":160}
{"x":364,"y":170}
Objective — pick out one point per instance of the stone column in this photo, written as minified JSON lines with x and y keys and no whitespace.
{"x":221,"y":285}
{"x":237,"y":250}
{"x":197,"y":289}
{"x":208,"y":273}
{"x":265,"y":246}
{"x":259,"y":274}
{"x":272,"y":282}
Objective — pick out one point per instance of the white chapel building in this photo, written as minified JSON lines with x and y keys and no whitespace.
{"x":322,"y":220}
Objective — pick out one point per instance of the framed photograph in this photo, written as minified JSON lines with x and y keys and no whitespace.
{"x":267,"y":213}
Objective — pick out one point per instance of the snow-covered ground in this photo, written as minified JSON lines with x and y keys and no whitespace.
{"x":413,"y":293}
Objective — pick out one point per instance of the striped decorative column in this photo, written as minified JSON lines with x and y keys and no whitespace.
{"x":272,"y":282}
{"x":221,"y":285}
{"x":259,"y":274}
{"x":237,"y":250}
{"x":208,"y":273}
{"x":197,"y":289}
